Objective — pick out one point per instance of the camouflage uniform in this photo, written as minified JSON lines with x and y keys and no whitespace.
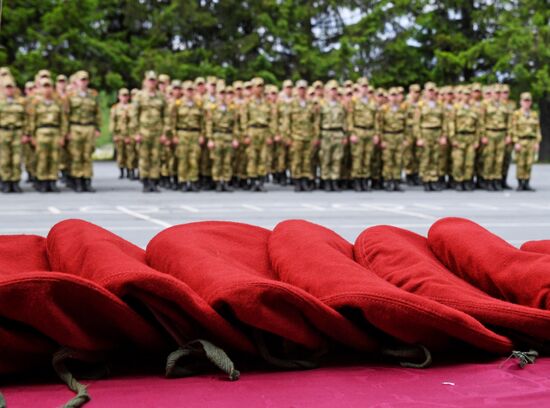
{"x":280,"y":147}
{"x":445,"y":158}
{"x":392,"y":122}
{"x":131,"y":147}
{"x":411,"y":152}
{"x":12,"y":128}
{"x":509,"y":147}
{"x":119,"y":127}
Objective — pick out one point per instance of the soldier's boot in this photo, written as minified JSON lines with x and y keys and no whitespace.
{"x":64,"y":177}
{"x":194,"y":187}
{"x":131,"y":174}
{"x":297,"y":185}
{"x":78,"y":184}
{"x":260,"y":185}
{"x":357,"y":185}
{"x":219,"y":187}
{"x":41,"y":186}
{"x":327,"y":186}
{"x":145,"y":183}
{"x":162,"y":182}
{"x":52,"y":186}
{"x":304,"y":184}
{"x":15,"y":187}
{"x":504,"y":183}
{"x":5,"y":187}
{"x":459,"y":186}
{"x":388,"y":185}
{"x":153,"y":186}
{"x":336,"y":185}
{"x":376,"y":184}
{"x":283,"y":180}
{"x":29,"y":178}
{"x":437,"y":186}
{"x":527,"y":186}
{"x":365,"y":184}
{"x":409,"y":178}
{"x":121,"y":175}
{"x":416,"y":179}
{"x":497,"y":184}
{"x":397,"y":186}
{"x":469,"y":185}
{"x":227,"y":187}
{"x":489,"y":186}
{"x":87,"y":184}
{"x":480,"y":183}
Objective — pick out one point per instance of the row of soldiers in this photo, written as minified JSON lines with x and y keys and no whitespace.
{"x":207,"y":134}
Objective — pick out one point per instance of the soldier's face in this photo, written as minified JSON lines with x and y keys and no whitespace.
{"x":124,"y":98}
{"x":151,"y":84}
{"x":302,"y":93}
{"x":29,"y":91}
{"x":258,"y":90}
{"x":431,"y":94}
{"x":9,"y":90}
{"x":526,"y":103}
{"x":334,"y":93}
{"x":504,"y":95}
{"x":47,"y":90}
{"x":83,"y":83}
{"x":288,"y":91}
{"x":176,"y":93}
{"x":190,"y":92}
{"x":400,"y":97}
{"x":201,"y":88}
{"x":61,"y":84}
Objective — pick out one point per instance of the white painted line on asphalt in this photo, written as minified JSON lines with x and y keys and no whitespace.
{"x":483,"y":206}
{"x":536,"y":206}
{"x":252,"y":207}
{"x":398,"y":209}
{"x":189,"y":208}
{"x":429,"y":206}
{"x":143,"y":216}
{"x":54,"y":210}
{"x":313,"y":207}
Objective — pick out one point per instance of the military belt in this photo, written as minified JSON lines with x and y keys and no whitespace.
{"x":189,"y":129}
{"x":258,"y":126}
{"x":12,"y":127}
{"x":364,"y":127}
{"x":333,"y":129}
{"x":226,"y":131}
{"x":82,"y":124}
{"x":527,"y":137}
{"x":465,"y":133}
{"x":496,"y":130}
{"x":48,"y":126}
{"x":431,"y":128}
{"x":394,"y":131}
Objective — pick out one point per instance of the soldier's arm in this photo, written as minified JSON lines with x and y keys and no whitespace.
{"x":244,"y":119}
{"x":64,"y":122}
{"x":98,"y":118}
{"x":514,"y":131}
{"x":165,"y":117}
{"x":451,"y":124}
{"x":416,"y":122}
{"x":208,"y":118}
{"x":112,"y":120}
{"x":316,"y":124}
{"x":134,"y":116}
{"x":537,"y":131}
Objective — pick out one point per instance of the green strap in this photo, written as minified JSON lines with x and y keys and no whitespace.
{"x":524,"y":357}
{"x":408,"y":354}
{"x":200,"y":349}
{"x":2,"y":401}
{"x":291,"y":364}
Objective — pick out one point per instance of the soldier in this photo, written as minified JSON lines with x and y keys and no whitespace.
{"x":478,"y":103}
{"x":509,"y":146}
{"x":464,"y":134}
{"x":411,"y":153}
{"x":392,"y":122}
{"x":149,"y":121}
{"x":281,"y":140}
{"x":47,"y":126}
{"x":200,"y":88}
{"x":445,"y":159}
{"x":301,"y":126}
{"x":205,"y":163}
{"x":429,"y":124}
{"x":333,"y":123}
{"x":376,"y":161}
{"x":363,"y":136}
{"x":119,"y":127}
{"x":526,"y":136}
{"x":29,"y":156}
{"x":257,"y":121}
{"x":186,"y":126}
{"x":131,"y":146}
{"x":222,"y":127}
{"x":163,"y":84}
{"x":12,"y":128}
{"x":61,"y":95}
{"x":496,"y":123}
{"x":84,"y":126}
{"x":239,"y":162}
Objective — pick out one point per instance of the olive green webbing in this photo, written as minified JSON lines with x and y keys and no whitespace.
{"x":201,"y":349}
{"x":408,"y":354}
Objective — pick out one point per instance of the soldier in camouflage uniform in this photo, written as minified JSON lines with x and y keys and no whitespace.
{"x":119,"y":127}
{"x":391,"y":125}
{"x":47,"y":126}
{"x":464,"y":134}
{"x":509,"y":145}
{"x":445,"y":158}
{"x":131,"y":146}
{"x":333,"y":124}
{"x":478,"y":103}
{"x":376,"y":161}
{"x":526,"y":135}
{"x":281,"y":140}
{"x":12,"y":128}
{"x":205,"y":163}
{"x":256,"y":119}
{"x":222,"y":128}
{"x":301,"y":125}
{"x":148,"y":122}
{"x":29,"y":156}
{"x":412,"y":152}
{"x":84,"y":126}
{"x":187,"y":127}
{"x":61,"y":93}
{"x":363,"y":136}
{"x":239,"y":162}
{"x":429,"y":125}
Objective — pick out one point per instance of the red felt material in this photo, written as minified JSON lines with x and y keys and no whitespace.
{"x":490,"y":263}
{"x":228,"y":265}
{"x":540,"y":247}
{"x":320,"y":261}
{"x":403,"y":258}
{"x":91,"y":252}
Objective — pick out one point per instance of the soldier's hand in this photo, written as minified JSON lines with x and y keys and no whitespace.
{"x":484,"y":140}
{"x":202,"y":140}
{"x":376,"y":139}
{"x":536,"y":147}
{"x":97,"y":134}
{"x":353,"y":139}
{"x":235,"y":143}
{"x":277,"y":138}
{"x":25,"y":139}
{"x":127,"y":140}
{"x":443,"y":141}
{"x":517,"y":147}
{"x":476,"y":146}
{"x":61,"y":142}
{"x":68,"y":136}
{"x":211,"y":144}
{"x":345,"y":141}
{"x":420,"y":142}
{"x":269,"y":141}
{"x":508,"y":140}
{"x":138,"y":139}
{"x":246,"y":140}
{"x":455,"y":144}
{"x":163,"y":139}
{"x":317,"y":143}
{"x":175,"y":140}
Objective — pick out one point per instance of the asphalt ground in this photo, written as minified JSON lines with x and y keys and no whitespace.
{"x":121,"y":207}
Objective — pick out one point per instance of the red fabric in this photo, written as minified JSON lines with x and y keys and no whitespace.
{"x":91,"y":252}
{"x":540,"y":247}
{"x":490,"y":263}
{"x":403,"y":258}
{"x":228,"y":265}
{"x":320,"y":261}
{"x":454,"y":386}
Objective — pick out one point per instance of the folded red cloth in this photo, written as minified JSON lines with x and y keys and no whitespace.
{"x":490,"y":263}
{"x":541,"y":246}
{"x":403,"y":258}
{"x":320,"y":261}
{"x":91,"y":252}
{"x":228,"y":265}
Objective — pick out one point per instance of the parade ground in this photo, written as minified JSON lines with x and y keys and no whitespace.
{"x":121,"y":207}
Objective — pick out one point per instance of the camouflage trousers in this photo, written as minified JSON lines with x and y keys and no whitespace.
{"x":361,"y":153}
{"x":188,"y":155}
{"x":257,"y":152}
{"x":493,"y":155}
{"x":332,"y":154}
{"x":81,"y":147}
{"x":301,"y":152}
{"x":346,"y":162}
{"x":47,"y":153}
{"x":10,"y":155}
{"x":376,"y":163}
{"x":525,"y":158}
{"x":445,"y":159}
{"x":132,"y":149}
{"x":464,"y":156}
{"x":239,"y":162}
{"x":410,"y":153}
{"x":29,"y":158}
{"x":167,"y":158}
{"x":280,"y":157}
{"x":64,"y":159}
{"x":429,"y":155}
{"x":149,"y":154}
{"x":222,"y":156}
{"x":508,"y":149}
{"x":121,"y":152}
{"x":392,"y":155}
{"x":205,"y":163}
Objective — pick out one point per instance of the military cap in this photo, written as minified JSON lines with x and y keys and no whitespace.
{"x":311,"y":91}
{"x":44,"y":73}
{"x":123,"y":91}
{"x":248,"y":84}
{"x":238,"y":84}
{"x":332,"y":84}
{"x":220,"y":82}
{"x":400,"y":89}
{"x":371,"y":89}
{"x":363,"y":81}
{"x":301,"y":84}
{"x":45,"y":82}
{"x":429,"y":86}
{"x":348,"y":83}
{"x":212,"y":80}
{"x":82,"y":75}
{"x":393,"y":91}
{"x":526,"y":96}
{"x":199,"y":80}
{"x":272,"y":89}
{"x":381,"y":92}
{"x":504,"y":88}
{"x":29,"y":84}
{"x":450,"y":90}
{"x":287,"y":83}
{"x":257,"y":81}
{"x":61,"y":77}
{"x":221,"y":88}
{"x":134,"y":91}
{"x":348,"y":91}
{"x":414,"y":88}
{"x":188,"y":85}
{"x":476,"y":87}
{"x":8,"y":81}
{"x":317,"y":84}
{"x":5,"y":71}
{"x":164,"y":78}
{"x":465,"y":90}
{"x":151,"y":75}
{"x":176,"y":83}
{"x":341,"y":90}
{"x":496,"y":88}
{"x":229,"y":89}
